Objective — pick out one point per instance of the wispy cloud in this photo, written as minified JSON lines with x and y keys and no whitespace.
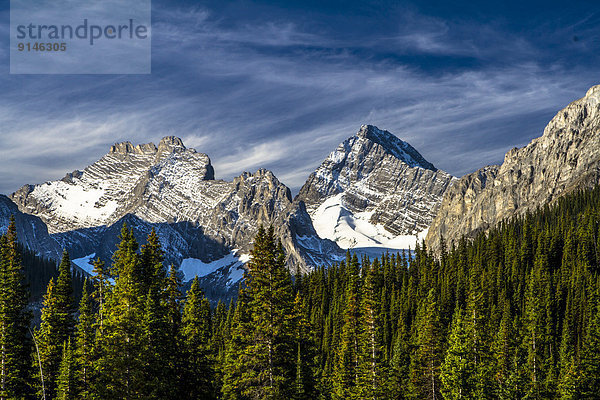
{"x":282,"y":94}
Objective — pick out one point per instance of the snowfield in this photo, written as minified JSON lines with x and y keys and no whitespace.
{"x":332,"y":220}
{"x":192,"y":267}
{"x":85,"y":263}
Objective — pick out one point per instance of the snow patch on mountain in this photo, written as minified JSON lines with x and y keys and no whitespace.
{"x":84,"y":204}
{"x":85,"y":263}
{"x":333,"y":220}
{"x":192,"y":267}
{"x":236,"y":273}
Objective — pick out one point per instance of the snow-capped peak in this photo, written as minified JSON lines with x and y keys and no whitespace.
{"x":373,"y":189}
{"x":126,"y":180}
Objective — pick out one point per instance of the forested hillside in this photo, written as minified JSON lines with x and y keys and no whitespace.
{"x":39,"y":271}
{"x":513,"y":314}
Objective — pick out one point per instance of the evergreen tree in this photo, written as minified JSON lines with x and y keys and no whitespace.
{"x":397,"y":384}
{"x":425,"y":365}
{"x":371,"y":368}
{"x":304,"y":384}
{"x":84,"y":353}
{"x":119,"y":366}
{"x":101,"y":281}
{"x":237,"y":358}
{"x":152,"y":270}
{"x":477,"y":319}
{"x":196,"y":334}
{"x":536,"y":338}
{"x":590,"y":358}
{"x":269,"y":288}
{"x":173,"y":304}
{"x":67,"y":380}
{"x":219,"y":335}
{"x":503,"y":351}
{"x":346,"y":371}
{"x":64,"y":297}
{"x":58,"y":322}
{"x":154,"y":359}
{"x":570,"y":382}
{"x":458,"y":372}
{"x":261,"y":352}
{"x":15,"y":345}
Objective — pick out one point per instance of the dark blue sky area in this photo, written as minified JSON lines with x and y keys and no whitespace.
{"x":280,"y":84}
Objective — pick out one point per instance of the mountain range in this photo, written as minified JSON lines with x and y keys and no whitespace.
{"x":565,"y":158}
{"x":373,"y":193}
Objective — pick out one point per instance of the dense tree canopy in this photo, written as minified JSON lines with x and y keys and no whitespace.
{"x":512,"y":313}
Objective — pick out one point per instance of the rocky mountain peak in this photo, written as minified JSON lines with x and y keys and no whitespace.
{"x":373,"y":188}
{"x":125,"y":148}
{"x":391,"y":144}
{"x":261,"y":173}
{"x":264,"y":184}
{"x":170,"y":143}
{"x":122,"y":148}
{"x":120,"y":183}
{"x":146,"y":148}
{"x":171,"y":188}
{"x":593,"y":93}
{"x":565,"y":158}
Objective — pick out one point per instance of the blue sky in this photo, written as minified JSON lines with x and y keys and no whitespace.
{"x":280,"y":84}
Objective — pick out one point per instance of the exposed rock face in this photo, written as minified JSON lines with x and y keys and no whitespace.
{"x":30,"y":229}
{"x":172,"y":189}
{"x":377,"y":179}
{"x":123,"y":181}
{"x":566,"y":157}
{"x":301,"y":242}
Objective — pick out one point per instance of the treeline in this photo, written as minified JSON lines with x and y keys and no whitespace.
{"x":513,"y":314}
{"x":38,"y":272}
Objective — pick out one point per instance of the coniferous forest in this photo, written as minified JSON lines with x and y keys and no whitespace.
{"x":511,"y":314}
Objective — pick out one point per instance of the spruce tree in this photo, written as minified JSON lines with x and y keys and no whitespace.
{"x":345,"y":370}
{"x":458,"y":372}
{"x":220,"y":333}
{"x":173,"y":305}
{"x":261,"y":352}
{"x":502,"y":353}
{"x":535,"y":337}
{"x":304,"y":386}
{"x":64,"y":297}
{"x":269,"y":288}
{"x":84,"y":351}
{"x":236,"y":357}
{"x":154,"y":359}
{"x":119,"y":366}
{"x":371,"y":368}
{"x":67,"y":377}
{"x":569,"y":385}
{"x":15,"y":344}
{"x":101,"y":281}
{"x":397,"y":384}
{"x":425,"y":365}
{"x":152,"y":270}
{"x":477,"y":319}
{"x":590,"y":358}
{"x":196,"y":334}
{"x":58,"y":322}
